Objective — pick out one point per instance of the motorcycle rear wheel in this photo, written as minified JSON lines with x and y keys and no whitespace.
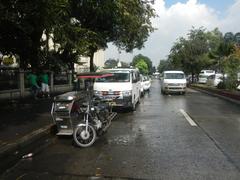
{"x":83,"y":138}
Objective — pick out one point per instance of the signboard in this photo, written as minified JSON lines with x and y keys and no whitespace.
{"x":237,"y":38}
{"x":229,"y":36}
{"x":8,"y":60}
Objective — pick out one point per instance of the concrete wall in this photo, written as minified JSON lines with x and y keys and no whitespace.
{"x":24,"y":92}
{"x":98,"y":60}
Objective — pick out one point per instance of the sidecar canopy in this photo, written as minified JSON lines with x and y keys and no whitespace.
{"x":93,"y":75}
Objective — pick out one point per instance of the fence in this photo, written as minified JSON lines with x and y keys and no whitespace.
{"x":14,"y":83}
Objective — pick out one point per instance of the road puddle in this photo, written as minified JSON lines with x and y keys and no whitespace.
{"x":122,"y":140}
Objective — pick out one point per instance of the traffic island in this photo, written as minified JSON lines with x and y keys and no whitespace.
{"x":233,"y":96}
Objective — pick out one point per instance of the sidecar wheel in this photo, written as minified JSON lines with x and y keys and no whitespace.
{"x":83,"y":138}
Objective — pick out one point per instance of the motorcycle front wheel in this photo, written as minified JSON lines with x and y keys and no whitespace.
{"x":84,"y":138}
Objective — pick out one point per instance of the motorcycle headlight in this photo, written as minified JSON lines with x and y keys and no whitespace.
{"x":126,"y":93}
{"x":70,"y":98}
{"x":98,"y":93}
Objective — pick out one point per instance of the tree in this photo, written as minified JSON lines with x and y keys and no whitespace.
{"x":232,"y":67}
{"x":147,"y":60}
{"x":153,"y":69}
{"x":79,"y":27}
{"x":237,"y":39}
{"x":22,"y":24}
{"x":125,"y":23}
{"x":142,"y":66}
{"x":165,"y":65}
{"x":110,"y":63}
{"x":191,"y":54}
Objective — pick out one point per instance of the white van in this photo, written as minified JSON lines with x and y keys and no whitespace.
{"x":173,"y":81}
{"x":124,"y":87}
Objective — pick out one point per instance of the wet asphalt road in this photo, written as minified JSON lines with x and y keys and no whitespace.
{"x":155,"y":142}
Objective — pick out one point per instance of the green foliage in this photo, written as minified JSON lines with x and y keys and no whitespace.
{"x":22,"y":24}
{"x":224,"y":48}
{"x":125,"y":23}
{"x":78,"y":27}
{"x":142,"y":66}
{"x":222,"y":85}
{"x":232,"y":67}
{"x":165,"y":65}
{"x":191,"y":54}
{"x":140,"y":57}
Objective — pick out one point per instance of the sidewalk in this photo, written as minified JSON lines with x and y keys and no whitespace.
{"x":22,"y":122}
{"x":26,"y":126}
{"x":23,"y":116}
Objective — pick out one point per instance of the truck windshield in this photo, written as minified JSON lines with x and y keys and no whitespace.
{"x":117,"y":77}
{"x":174,"y":76}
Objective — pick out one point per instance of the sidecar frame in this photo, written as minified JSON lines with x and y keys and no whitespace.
{"x":68,"y":109}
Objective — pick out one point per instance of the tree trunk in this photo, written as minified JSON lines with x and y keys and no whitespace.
{"x":192,"y":72}
{"x":91,"y":60}
{"x":192,"y":77}
{"x":35,"y":49}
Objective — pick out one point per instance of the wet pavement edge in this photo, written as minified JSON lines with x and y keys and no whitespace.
{"x":11,"y":153}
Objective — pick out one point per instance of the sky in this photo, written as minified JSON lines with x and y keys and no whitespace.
{"x":176,"y":18}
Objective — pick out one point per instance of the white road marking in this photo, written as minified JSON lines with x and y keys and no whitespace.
{"x":188,"y":118}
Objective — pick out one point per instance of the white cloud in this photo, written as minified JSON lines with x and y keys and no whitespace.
{"x":176,"y":21}
{"x":231,"y":22}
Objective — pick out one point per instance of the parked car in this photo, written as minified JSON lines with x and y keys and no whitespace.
{"x":207,"y":72}
{"x":123,"y":87}
{"x":214,"y":80}
{"x":173,"y":81}
{"x":142,"y":84}
{"x":147,"y":83}
{"x":204,"y":74}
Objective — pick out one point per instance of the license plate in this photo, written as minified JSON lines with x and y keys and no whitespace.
{"x":108,"y":97}
{"x":64,"y":127}
{"x":59,"y":119}
{"x":113,"y":103}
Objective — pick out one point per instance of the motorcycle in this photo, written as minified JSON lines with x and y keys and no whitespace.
{"x":85,"y":120}
{"x":97,"y":118}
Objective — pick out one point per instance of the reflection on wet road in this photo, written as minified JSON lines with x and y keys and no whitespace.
{"x":154,"y":142}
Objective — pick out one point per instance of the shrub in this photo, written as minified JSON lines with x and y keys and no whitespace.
{"x":221,"y":85}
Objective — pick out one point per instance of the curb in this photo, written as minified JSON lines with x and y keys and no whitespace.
{"x":216,"y":95}
{"x":11,"y":153}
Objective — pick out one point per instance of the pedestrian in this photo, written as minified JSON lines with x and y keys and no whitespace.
{"x":76,"y":83}
{"x":32,"y":78}
{"x":44,"y":83}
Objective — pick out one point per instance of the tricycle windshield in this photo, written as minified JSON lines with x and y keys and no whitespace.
{"x":116,"y":77}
